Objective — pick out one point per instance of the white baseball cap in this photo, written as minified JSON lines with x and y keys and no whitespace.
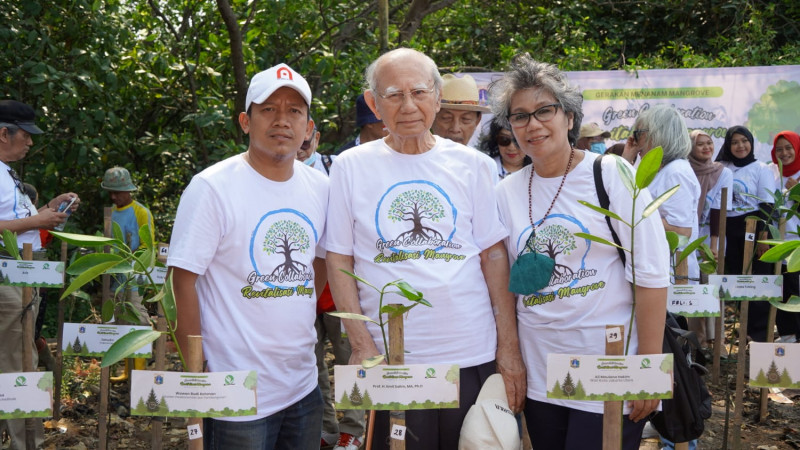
{"x":263,"y":84}
{"x":490,"y":423}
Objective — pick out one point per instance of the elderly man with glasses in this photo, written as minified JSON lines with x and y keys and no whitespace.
{"x":422,"y":208}
{"x":19,"y":215}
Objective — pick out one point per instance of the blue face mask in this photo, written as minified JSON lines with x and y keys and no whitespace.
{"x":598,"y":147}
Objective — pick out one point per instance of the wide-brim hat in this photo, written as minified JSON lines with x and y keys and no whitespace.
{"x":264,"y":84}
{"x":591,"y":130}
{"x":118,"y":179}
{"x":19,"y":114}
{"x":490,"y":423}
{"x":461,"y":93}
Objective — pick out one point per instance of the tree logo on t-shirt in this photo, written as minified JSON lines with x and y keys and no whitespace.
{"x":415,"y":206}
{"x":285,"y":237}
{"x":552,"y":241}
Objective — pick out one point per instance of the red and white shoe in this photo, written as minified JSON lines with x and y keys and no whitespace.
{"x":347,"y":442}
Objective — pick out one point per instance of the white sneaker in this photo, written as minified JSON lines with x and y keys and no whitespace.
{"x":347,"y":442}
{"x":328,"y":439}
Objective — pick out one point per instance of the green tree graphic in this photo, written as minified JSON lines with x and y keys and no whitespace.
{"x":773,"y":377}
{"x":76,"y":346}
{"x":355,"y":396}
{"x":580,"y":392}
{"x":568,"y":387}
{"x":786,"y":380}
{"x":666,"y":364}
{"x":366,"y":402}
{"x":452,"y":376}
{"x":552,"y":241}
{"x":285,"y":237}
{"x":415,"y":206}
{"x":776,"y":110}
{"x":152,"y":401}
{"x":141,"y":408}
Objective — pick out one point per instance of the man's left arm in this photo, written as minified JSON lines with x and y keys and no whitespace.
{"x":320,"y":276}
{"x":494,"y":264}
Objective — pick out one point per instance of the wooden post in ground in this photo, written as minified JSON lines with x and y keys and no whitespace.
{"x":682,"y":278}
{"x":157,"y":423}
{"x":762,"y":410}
{"x":59,"y":340}
{"x":612,"y":411}
{"x":194,"y":361}
{"x":27,"y":341}
{"x":747,"y":269}
{"x":396,"y":357}
{"x":719,"y":336}
{"x":105,"y":372}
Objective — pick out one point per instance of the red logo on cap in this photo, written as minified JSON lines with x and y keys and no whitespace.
{"x":284,"y":73}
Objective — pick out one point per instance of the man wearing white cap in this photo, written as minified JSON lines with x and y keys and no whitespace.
{"x":245,"y":268}
{"x":461,"y":110}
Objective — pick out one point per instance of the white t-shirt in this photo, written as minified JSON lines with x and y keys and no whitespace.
{"x":15,"y":204}
{"x":680,"y":210}
{"x":714,"y":201}
{"x":793,"y":222}
{"x":590,"y":287}
{"x":252,"y":241}
{"x":755,"y":179}
{"x":423,"y":218}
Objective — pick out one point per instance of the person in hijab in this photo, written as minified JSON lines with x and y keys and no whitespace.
{"x":787,"y":171}
{"x":712,"y":176}
{"x":753,"y":185}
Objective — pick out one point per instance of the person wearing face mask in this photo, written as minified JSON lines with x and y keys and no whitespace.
{"x":592,"y":138}
{"x":308,"y":154}
{"x":784,"y":150}
{"x":753,"y":185}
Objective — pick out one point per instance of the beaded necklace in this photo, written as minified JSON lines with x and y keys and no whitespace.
{"x":530,"y":194}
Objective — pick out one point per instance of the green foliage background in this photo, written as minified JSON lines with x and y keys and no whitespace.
{"x":152,"y":85}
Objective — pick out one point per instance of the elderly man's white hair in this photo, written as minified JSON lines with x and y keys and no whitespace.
{"x":428,"y":64}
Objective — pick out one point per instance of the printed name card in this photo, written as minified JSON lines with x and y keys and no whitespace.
{"x":693,"y":300}
{"x":186,"y":394}
{"x":158,"y":274}
{"x":89,"y":339}
{"x":774,"y":365}
{"x":749,"y":287}
{"x":31,"y":273}
{"x":26,"y":394}
{"x":413,"y":386}
{"x":607,"y":378}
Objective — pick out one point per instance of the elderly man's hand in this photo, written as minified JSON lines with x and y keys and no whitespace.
{"x":512,"y":368}
{"x":642,"y":408}
{"x":359,"y":354}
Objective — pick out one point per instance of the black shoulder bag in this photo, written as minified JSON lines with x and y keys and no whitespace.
{"x":681,"y":417}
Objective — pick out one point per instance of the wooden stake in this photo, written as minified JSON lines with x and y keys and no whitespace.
{"x":396,"y":357}
{"x":157,"y":423}
{"x":682,"y":278}
{"x":27,"y":343}
{"x":105,"y":372}
{"x":719,"y":338}
{"x":762,"y":410}
{"x":194,"y":361}
{"x":749,"y":242}
{"x":59,"y":340}
{"x":612,"y":411}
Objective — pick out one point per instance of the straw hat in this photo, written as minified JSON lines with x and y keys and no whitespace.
{"x":461,"y":94}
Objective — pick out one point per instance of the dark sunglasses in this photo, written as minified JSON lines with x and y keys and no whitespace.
{"x":503,"y":140}
{"x":637,"y":134}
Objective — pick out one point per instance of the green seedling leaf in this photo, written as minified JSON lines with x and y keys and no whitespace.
{"x":107,"y":311}
{"x":793,"y":261}
{"x":145,"y":260}
{"x":116,"y":231}
{"x":407,"y":291}
{"x":655,"y":204}
{"x":625,"y":174}
{"x":87,"y":276}
{"x":648,"y":167}
{"x":10,"y":244}
{"x":86,"y":262}
{"x":358,"y":278}
{"x":598,"y":239}
{"x":673,"y":241}
{"x":396,"y":310}
{"x":691,"y":248}
{"x":168,"y":303}
{"x":422,"y":301}
{"x":791,"y":305}
{"x":158,"y":297}
{"x":82,"y":295}
{"x":128,"y":344}
{"x":352,"y":316}
{"x":84,"y":240}
{"x":372,"y":362}
{"x":145,"y":237}
{"x":780,"y":251}
{"x":774,"y":232}
{"x":602,"y":211}
{"x":708,"y":267}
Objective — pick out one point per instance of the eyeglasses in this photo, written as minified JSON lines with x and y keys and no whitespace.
{"x":543,"y":114}
{"x":637,"y":134}
{"x":398,"y":97}
{"x":504,"y":141}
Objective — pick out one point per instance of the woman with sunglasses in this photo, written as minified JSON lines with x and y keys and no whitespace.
{"x":499,"y":144}
{"x":753,"y":186}
{"x":539,"y":206}
{"x":785,"y":148}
